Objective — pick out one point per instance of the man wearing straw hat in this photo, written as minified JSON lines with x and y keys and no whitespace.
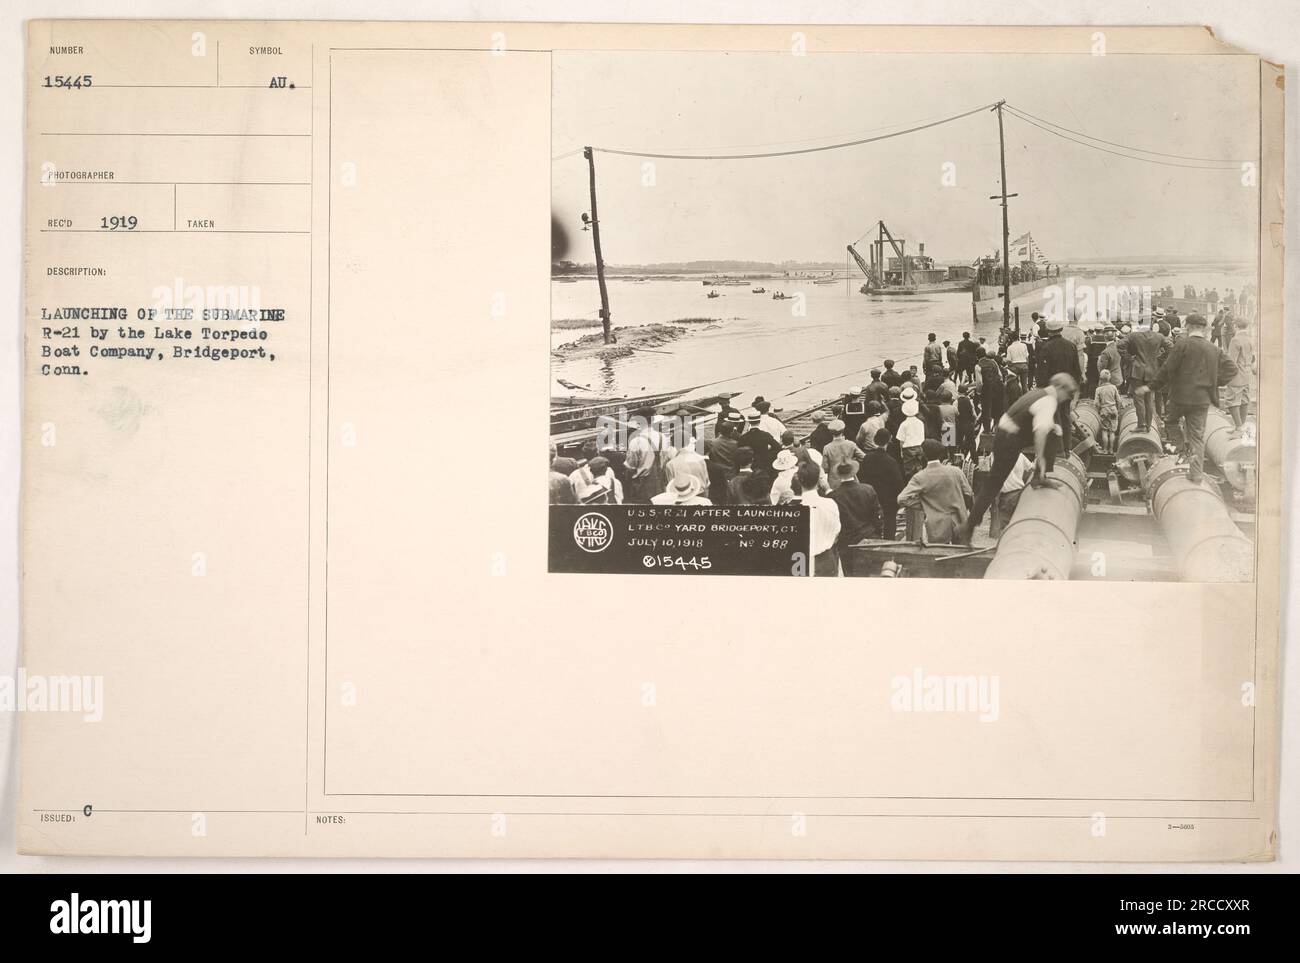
{"x":682,"y":490}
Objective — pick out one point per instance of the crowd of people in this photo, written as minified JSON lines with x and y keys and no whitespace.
{"x":1241,"y":304}
{"x":915,"y":440}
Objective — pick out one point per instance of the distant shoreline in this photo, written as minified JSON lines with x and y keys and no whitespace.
{"x":812,"y":273}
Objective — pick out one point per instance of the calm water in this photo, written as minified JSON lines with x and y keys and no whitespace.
{"x":842,"y":335}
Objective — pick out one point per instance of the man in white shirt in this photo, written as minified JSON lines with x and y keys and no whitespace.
{"x":768,"y":423}
{"x":1018,"y":361}
{"x":910,"y":434}
{"x":688,"y":461}
{"x":1074,"y":334}
{"x":824,"y":526}
{"x":648,"y":454}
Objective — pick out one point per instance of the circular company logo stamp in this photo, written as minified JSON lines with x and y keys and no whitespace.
{"x":593,"y":532}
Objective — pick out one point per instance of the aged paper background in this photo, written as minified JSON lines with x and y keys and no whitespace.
{"x":335,"y":564}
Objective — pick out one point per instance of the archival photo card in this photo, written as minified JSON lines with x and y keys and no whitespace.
{"x":928,"y":304}
{"x":1006,"y":328}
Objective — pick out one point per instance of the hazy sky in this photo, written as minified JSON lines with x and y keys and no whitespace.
{"x":1077,"y":201}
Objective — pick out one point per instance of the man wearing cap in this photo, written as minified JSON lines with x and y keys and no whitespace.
{"x":763,"y":445}
{"x":966,"y":358}
{"x":1057,"y":355}
{"x":1074,"y":334}
{"x":688,"y":461}
{"x":1107,"y":398}
{"x":1193,"y":371}
{"x":950,"y":357}
{"x":1018,"y":360}
{"x":1125,"y":361}
{"x":933,"y":378}
{"x":966,"y":421}
{"x":942,"y":492}
{"x":988,"y":375}
{"x":855,"y":411}
{"x":1229,"y":331}
{"x":648,"y":454}
{"x":821,"y":435}
{"x":890,"y":377}
{"x":1034,"y":417}
{"x":932,"y":353}
{"x":859,"y":512}
{"x":876,"y":390}
{"x":1238,"y":392}
{"x":866,"y":437}
{"x":824,"y":528}
{"x":724,"y":412}
{"x":1109,"y":360}
{"x":1146,"y":351}
{"x":947,"y":384}
{"x":838,"y":451}
{"x":766,"y":420}
{"x":682,"y":490}
{"x":721,"y":448}
{"x":881,"y":471}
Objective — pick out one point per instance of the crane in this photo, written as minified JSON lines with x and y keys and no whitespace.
{"x":875,"y":270}
{"x":862,"y":265}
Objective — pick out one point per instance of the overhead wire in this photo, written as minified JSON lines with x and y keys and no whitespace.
{"x":1219,"y":166}
{"x":1141,"y":150}
{"x":657,"y":155}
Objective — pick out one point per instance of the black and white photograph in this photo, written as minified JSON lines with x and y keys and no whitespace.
{"x":977,"y":315}
{"x":931,"y":291}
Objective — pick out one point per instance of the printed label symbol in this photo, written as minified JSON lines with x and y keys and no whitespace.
{"x":593,"y":532}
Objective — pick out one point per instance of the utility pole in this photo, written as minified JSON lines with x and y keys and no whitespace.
{"x":1006,"y":234}
{"x":595,"y":240}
